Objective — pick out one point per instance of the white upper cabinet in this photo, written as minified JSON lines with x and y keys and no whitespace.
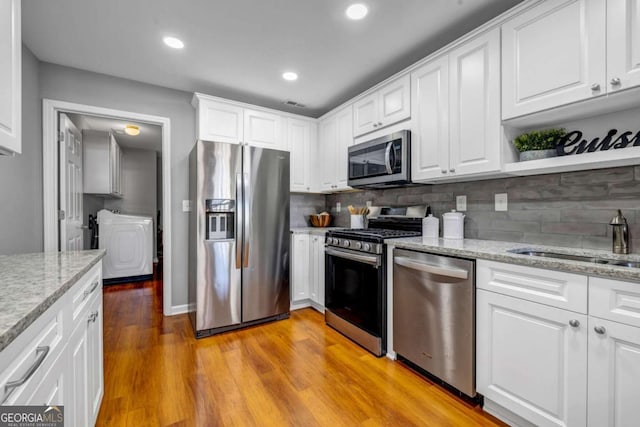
{"x":336,"y":135}
{"x":262,"y":129}
{"x":554,"y":54}
{"x":10,"y":78}
{"x":218,"y":121}
{"x":102,"y":168}
{"x":386,"y":106}
{"x":456,"y":104}
{"x":344,"y":141}
{"x":623,"y":44}
{"x":301,"y":136}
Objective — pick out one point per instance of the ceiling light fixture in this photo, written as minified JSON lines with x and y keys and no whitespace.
{"x":357,"y":11}
{"x":132,"y":130}
{"x":173,"y":42}
{"x":290,"y":76}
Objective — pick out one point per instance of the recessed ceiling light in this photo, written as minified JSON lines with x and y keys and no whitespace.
{"x":173,"y":42}
{"x":357,"y":11}
{"x":290,"y":75}
{"x":132,"y":130}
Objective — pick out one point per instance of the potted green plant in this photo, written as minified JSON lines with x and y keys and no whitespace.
{"x":538,"y":144}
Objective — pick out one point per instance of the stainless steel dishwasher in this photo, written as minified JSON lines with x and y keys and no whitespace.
{"x":434,"y":316}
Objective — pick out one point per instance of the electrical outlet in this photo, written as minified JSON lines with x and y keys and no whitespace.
{"x":186,"y":206}
{"x":501,"y":202}
{"x":368,"y":203}
{"x":461,"y":203}
{"x":338,"y":206}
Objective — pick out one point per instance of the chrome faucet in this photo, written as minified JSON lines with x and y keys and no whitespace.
{"x":620,"y":234}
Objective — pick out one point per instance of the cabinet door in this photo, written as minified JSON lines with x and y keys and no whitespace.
{"x":623,"y":44}
{"x":95,"y":365}
{"x":77,"y":405}
{"x":327,"y":149}
{"x":552,"y":55}
{"x":365,"y":114}
{"x":221,"y":122}
{"x":614,"y":374}
{"x":300,"y":267}
{"x":317,"y":270}
{"x":394,"y":101}
{"x":430,"y":141}
{"x":264,"y":130}
{"x":475,"y":106}
{"x":299,"y":139}
{"x":10,"y":77}
{"x":344,"y":140}
{"x":530,"y":360}
{"x":51,"y":390}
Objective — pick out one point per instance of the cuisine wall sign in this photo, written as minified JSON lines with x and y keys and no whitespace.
{"x":572,"y":142}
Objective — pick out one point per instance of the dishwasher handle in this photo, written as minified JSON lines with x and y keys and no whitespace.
{"x":430,"y":268}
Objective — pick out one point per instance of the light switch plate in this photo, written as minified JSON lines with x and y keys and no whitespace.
{"x":186,"y":206}
{"x":368,"y":203}
{"x":461,"y":203}
{"x":338,"y":206}
{"x":501,"y":202}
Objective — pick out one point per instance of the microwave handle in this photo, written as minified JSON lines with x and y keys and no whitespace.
{"x":387,"y":157}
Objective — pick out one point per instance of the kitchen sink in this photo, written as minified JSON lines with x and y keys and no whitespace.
{"x":583,"y":258}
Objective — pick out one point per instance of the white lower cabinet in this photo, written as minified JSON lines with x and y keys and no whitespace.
{"x":539,"y":364}
{"x":307,"y":271}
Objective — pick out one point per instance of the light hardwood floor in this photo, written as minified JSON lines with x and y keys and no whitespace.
{"x":295,"y":372}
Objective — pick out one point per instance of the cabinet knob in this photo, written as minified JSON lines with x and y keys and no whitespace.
{"x":615,"y":81}
{"x":443,"y":171}
{"x":574,"y":323}
{"x":595,"y":87}
{"x":375,"y":125}
{"x":379,"y":123}
{"x":600,"y":330}
{"x":452,"y":170}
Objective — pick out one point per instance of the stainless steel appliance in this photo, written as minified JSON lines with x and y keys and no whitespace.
{"x":434,"y":316}
{"x":356,"y":279}
{"x":238,"y":236}
{"x":382,"y":162}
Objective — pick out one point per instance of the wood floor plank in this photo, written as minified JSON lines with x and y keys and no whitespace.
{"x":294,"y":372}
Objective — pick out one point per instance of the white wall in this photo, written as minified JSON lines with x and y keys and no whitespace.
{"x":68,"y":84}
{"x":21,"y":223}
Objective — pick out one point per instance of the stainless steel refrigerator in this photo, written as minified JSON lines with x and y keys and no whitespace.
{"x":238,"y":236}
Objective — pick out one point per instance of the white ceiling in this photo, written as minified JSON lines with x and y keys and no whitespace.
{"x":150,"y":137}
{"x":238,"y":49}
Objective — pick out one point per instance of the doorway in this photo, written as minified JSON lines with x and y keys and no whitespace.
{"x":52,"y":110}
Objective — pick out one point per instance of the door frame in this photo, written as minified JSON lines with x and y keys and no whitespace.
{"x":50,"y":110}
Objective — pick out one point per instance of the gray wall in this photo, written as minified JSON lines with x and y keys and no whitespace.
{"x":68,"y":84}
{"x":21,"y":224}
{"x":303,"y":205}
{"x":566,"y":209}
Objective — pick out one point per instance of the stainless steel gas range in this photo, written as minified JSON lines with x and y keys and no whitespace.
{"x":356,"y":279}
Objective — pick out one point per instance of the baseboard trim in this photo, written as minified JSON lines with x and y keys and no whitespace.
{"x":179,"y":309}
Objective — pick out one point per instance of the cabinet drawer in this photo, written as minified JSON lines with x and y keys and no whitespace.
{"x":31,"y":357}
{"x":554,"y":288}
{"x":83,"y":291}
{"x":615,"y":300}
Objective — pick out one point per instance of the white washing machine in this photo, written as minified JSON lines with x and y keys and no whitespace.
{"x":128,"y":240}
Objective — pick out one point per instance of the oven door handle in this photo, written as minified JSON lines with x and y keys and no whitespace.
{"x":367,"y":259}
{"x":430,"y":268}
{"x":387,"y":157}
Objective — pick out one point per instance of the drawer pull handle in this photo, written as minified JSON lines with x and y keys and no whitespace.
{"x":600,"y":330}
{"x":10,"y":386}
{"x":90,"y":291}
{"x":574,"y":323}
{"x":456,"y":273}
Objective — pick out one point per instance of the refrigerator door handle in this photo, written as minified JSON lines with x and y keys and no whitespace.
{"x":247,"y":220}
{"x":239,"y":213}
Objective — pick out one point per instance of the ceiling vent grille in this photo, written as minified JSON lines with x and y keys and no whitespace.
{"x":294,"y":104}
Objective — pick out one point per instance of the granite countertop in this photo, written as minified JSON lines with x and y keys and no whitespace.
{"x":321,"y":231}
{"x":498,"y":251}
{"x":31,"y":283}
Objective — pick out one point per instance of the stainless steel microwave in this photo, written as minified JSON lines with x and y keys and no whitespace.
{"x":382,"y":162}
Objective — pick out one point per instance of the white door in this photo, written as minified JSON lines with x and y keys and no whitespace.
{"x":262,"y":129}
{"x":614,"y":374}
{"x":10,"y":77}
{"x":299,"y":139}
{"x":394,"y":101}
{"x":344,"y":140}
{"x":70,"y":171}
{"x":474,"y":122}
{"x":365,"y":114}
{"x":221,"y":122}
{"x":327,"y":153}
{"x":623,"y":44}
{"x":530,"y":359}
{"x":300,"y":267}
{"x":552,"y":55}
{"x":430,"y":142}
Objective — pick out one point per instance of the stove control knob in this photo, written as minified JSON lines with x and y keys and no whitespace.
{"x":333,"y":241}
{"x":358,"y":245}
{"x":346,"y":243}
{"x":367,"y":247}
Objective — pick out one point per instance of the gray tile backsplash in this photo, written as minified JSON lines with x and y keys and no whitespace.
{"x":303,"y":205}
{"x":570,"y":209}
